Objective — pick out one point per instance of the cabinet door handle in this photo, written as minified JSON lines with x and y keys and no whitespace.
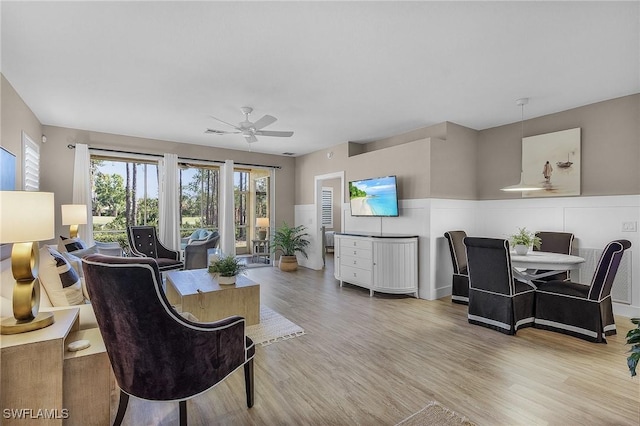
{"x":354,"y":274}
{"x":355,"y":252}
{"x":355,"y":262}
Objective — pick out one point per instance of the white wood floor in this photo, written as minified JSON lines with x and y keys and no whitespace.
{"x":375,"y":361}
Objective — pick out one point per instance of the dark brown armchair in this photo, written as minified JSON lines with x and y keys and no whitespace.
{"x":156,"y":354}
{"x":144,"y":242}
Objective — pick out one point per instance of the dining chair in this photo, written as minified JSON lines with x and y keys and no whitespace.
{"x":460,"y":280}
{"x":580,"y":310}
{"x":496,"y":299}
{"x":157,"y":354}
{"x":144,"y":242}
{"x":555,"y":242}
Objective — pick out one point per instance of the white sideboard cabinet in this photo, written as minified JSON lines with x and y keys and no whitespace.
{"x":386,"y":263}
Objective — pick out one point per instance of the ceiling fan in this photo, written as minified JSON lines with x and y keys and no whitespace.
{"x":250,"y":130}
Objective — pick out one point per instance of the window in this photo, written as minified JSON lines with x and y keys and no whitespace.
{"x":124,"y":193}
{"x":199,"y":186}
{"x":327,"y":207}
{"x":31,"y":165}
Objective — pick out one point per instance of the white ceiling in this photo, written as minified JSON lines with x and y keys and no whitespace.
{"x":331,"y":72}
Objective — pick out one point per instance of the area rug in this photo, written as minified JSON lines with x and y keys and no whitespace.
{"x":435,"y":414}
{"x":272,"y":328}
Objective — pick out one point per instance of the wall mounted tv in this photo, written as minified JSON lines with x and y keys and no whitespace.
{"x":377,"y":197}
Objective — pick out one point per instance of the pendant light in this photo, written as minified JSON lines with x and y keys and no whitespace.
{"x":522,"y":186}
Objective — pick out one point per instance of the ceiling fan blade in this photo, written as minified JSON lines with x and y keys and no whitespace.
{"x":264,"y":122}
{"x":274,"y":133}
{"x":224,"y":122}
{"x":220,"y":132}
{"x":251,"y":139}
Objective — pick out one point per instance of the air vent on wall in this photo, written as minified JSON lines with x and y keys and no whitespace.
{"x":288,"y":153}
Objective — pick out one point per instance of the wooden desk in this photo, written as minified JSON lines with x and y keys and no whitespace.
{"x":533,"y":261}
{"x":48,"y":385}
{"x":199,"y":293}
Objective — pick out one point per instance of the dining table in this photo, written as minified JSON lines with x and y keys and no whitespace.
{"x":540,"y":264}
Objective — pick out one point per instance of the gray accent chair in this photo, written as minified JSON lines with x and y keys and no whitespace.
{"x":555,"y":242}
{"x":496,"y":299}
{"x":195,"y":253}
{"x":460,"y":281}
{"x":580,"y":310}
{"x":156,"y":353}
{"x":143,"y":242}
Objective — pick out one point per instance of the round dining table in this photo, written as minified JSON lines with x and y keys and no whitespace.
{"x":526,"y":267}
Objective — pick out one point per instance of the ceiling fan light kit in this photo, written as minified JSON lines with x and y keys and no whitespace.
{"x":249,"y":130}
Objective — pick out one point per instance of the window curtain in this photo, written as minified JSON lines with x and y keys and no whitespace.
{"x":227,"y":223}
{"x":169,"y":202}
{"x":82,"y":190}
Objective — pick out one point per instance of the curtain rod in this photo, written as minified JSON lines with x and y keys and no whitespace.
{"x":72,"y":146}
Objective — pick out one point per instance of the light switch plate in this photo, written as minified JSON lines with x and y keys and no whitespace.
{"x":629,"y":226}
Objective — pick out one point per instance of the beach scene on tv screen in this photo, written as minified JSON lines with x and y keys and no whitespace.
{"x":374,"y":197}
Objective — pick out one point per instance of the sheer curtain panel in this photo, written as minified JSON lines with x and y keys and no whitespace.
{"x":169,"y":202}
{"x":82,"y":189}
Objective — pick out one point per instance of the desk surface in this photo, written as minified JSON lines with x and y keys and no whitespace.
{"x":546,"y":260}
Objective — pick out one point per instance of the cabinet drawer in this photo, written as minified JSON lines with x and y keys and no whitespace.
{"x":351,"y":243}
{"x":356,"y":252}
{"x":355,"y":275}
{"x":356,"y":262}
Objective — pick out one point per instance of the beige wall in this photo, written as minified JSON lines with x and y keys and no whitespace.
{"x":15,"y":116}
{"x":451,"y":161}
{"x":610,"y":148}
{"x":454,"y":165}
{"x":57,"y":162}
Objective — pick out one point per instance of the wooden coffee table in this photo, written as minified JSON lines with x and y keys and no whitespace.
{"x":200,"y":294}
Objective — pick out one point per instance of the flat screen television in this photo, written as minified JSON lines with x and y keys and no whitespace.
{"x":376,"y":197}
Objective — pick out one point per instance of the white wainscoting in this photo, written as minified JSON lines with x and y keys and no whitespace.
{"x":594,"y":220}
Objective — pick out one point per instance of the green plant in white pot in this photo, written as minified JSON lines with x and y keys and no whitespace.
{"x":523,"y":240}
{"x":289,"y":241}
{"x":633,"y":339}
{"x":226,"y":268}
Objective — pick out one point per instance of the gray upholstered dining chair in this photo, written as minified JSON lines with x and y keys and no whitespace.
{"x":144,"y":242}
{"x":555,"y":242}
{"x":580,"y":310}
{"x":496,"y":299}
{"x":156,"y":353}
{"x":460,"y":280}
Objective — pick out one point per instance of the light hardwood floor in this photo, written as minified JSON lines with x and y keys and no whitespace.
{"x":375,"y":361}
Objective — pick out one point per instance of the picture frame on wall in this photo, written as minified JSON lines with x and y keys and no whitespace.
{"x":553,"y":161}
{"x":7,"y":183}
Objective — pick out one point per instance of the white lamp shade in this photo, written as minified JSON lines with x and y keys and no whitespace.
{"x":26,"y":216}
{"x":262,"y":222}
{"x":74,"y":214}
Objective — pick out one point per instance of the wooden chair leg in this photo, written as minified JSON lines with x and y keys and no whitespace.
{"x":248,"y":381}
{"x":183,"y":413}
{"x":122,"y":408}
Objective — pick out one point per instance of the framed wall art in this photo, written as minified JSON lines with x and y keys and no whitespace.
{"x":552,"y":161}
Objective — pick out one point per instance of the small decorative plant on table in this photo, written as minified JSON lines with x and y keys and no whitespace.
{"x":226,"y":268}
{"x":633,"y":339}
{"x":523,"y":240}
{"x":288,"y":241}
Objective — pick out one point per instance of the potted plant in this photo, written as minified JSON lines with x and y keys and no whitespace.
{"x":523,"y":240}
{"x":226,"y":268}
{"x":633,"y":338}
{"x":290,"y":240}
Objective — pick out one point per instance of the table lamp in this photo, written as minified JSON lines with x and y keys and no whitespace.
{"x":263,"y":224}
{"x":74,"y":215}
{"x":26,"y":217}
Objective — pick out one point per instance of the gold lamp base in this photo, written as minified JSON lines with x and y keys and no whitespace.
{"x":14,"y":326}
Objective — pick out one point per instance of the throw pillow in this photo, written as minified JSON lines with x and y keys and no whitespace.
{"x":59,"y":279}
{"x":70,"y":244}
